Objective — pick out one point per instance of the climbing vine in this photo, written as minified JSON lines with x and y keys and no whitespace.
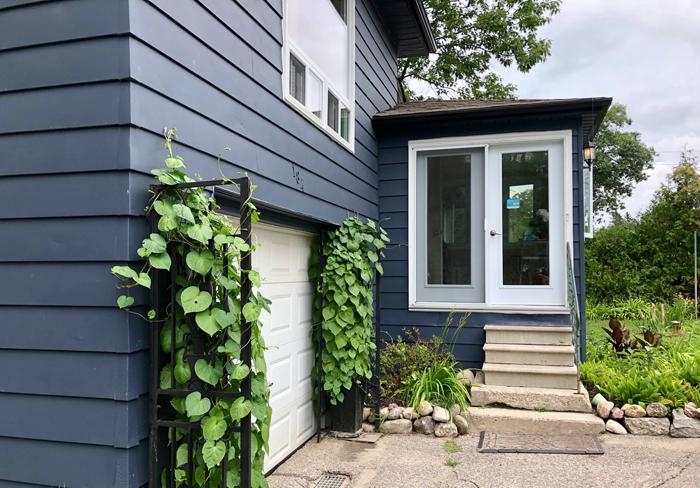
{"x":204,"y":249}
{"x":343,"y":269}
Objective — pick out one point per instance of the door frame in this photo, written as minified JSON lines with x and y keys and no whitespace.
{"x":483,"y":142}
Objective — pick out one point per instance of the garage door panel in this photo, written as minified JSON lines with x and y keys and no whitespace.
{"x":281,"y":258}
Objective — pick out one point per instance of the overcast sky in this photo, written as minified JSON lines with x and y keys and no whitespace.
{"x":642,"y":53}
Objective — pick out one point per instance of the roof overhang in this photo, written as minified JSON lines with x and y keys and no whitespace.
{"x":591,"y":110}
{"x":408,"y":25}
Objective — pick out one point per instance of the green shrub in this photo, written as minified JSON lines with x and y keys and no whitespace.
{"x":437,"y":384}
{"x":402,"y":358}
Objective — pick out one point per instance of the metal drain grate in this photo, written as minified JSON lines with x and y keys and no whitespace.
{"x":331,"y":481}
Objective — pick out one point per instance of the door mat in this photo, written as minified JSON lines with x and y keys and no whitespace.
{"x":490,"y":442}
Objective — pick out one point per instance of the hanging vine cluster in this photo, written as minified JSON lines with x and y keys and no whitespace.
{"x":203,"y":248}
{"x":343,"y":269}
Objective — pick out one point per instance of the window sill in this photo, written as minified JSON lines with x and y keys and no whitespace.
{"x":482,"y":307}
{"x":308,"y":115}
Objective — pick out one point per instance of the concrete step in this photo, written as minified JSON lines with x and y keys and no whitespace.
{"x":528,"y":375}
{"x":509,"y":421}
{"x":547,"y":399}
{"x":530,"y":354}
{"x":528,"y":334}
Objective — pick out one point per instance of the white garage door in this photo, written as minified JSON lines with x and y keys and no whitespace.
{"x":282,"y":260}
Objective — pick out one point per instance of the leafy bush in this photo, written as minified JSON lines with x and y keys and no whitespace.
{"x":669,"y":374}
{"x":437,"y":384}
{"x":401,"y":359}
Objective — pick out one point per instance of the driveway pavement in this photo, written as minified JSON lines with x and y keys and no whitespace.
{"x":417,"y":461}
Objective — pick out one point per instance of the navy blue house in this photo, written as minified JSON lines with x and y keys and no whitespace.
{"x":310,"y":108}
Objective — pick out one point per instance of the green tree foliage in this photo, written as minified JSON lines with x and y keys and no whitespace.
{"x":650,"y":257}
{"x":470,"y":35}
{"x":622,"y":160}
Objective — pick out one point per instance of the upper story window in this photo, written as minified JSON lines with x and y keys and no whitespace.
{"x":319,"y":61}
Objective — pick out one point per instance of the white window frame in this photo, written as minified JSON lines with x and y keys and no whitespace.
{"x":588,"y":202}
{"x":288,"y":48}
{"x":482,"y":142}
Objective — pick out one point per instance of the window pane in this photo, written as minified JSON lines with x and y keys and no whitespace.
{"x":297,"y":77}
{"x":345,"y":123}
{"x":525,"y":198}
{"x":314,"y":93}
{"x":341,"y":7}
{"x":316,"y":29}
{"x":449,"y":222}
{"x":588,"y":202}
{"x":333,"y":109}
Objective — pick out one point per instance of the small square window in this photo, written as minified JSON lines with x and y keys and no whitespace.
{"x":345,"y":123}
{"x":314,"y":93}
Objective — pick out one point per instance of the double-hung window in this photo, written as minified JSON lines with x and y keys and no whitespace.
{"x":319,"y":63}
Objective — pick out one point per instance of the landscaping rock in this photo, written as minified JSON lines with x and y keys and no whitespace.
{"x":648,"y":425}
{"x":455,"y":410}
{"x":634,"y":411}
{"x":441,"y":414}
{"x":657,"y":410}
{"x":425,"y":408}
{"x":383,"y":413}
{"x":409,"y":413}
{"x":691,"y":410}
{"x":466,"y":377}
{"x":461,"y":423}
{"x":368,"y":428}
{"x":684,"y":426}
{"x":446,"y":430}
{"x":395,"y":413}
{"x":604,"y":408}
{"x":615,"y":427}
{"x":400,"y":426}
{"x":365,"y":413}
{"x":479,"y":377}
{"x":617,"y":414}
{"x":424,"y":425}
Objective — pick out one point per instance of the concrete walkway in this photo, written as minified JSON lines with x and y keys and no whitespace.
{"x":416,"y":461}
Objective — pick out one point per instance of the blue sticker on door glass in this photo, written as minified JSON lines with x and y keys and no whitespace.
{"x":512,"y":203}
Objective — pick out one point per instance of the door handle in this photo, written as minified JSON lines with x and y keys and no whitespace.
{"x":493,"y":233}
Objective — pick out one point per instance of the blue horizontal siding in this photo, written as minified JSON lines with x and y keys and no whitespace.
{"x":65,"y":151}
{"x":82,"y":421}
{"x":85,"y":329}
{"x":62,"y":239}
{"x":75,"y":374}
{"x":53,"y":464}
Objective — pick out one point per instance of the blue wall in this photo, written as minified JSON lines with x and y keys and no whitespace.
{"x":393,"y":211}
{"x":86,"y":87}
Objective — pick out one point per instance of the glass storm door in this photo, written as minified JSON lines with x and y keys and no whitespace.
{"x":450,"y":216}
{"x":525,"y":242}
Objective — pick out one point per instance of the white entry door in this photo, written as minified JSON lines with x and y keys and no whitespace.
{"x":525,"y":217}
{"x":282,"y":260}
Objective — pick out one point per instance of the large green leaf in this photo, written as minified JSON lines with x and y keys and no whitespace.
{"x":223,"y":318}
{"x":239,"y":371}
{"x":240,"y":408}
{"x":200,"y":262}
{"x":160,"y":261}
{"x":206,"y":322}
{"x":124,"y":272}
{"x":166,"y":377}
{"x":200,"y":232}
{"x":207,"y":373}
{"x":143,"y":279}
{"x":213,"y":452}
{"x":195,"y":405}
{"x":167,"y":223}
{"x":181,"y":455}
{"x":183,"y":212}
{"x":194,"y":300}
{"x":154,"y":244}
{"x":214,"y":426}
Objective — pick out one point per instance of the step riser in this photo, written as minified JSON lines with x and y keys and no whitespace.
{"x":528,"y":379}
{"x":551,"y":400}
{"x":539,"y":337}
{"x":534,"y":358}
{"x":505,"y":424}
